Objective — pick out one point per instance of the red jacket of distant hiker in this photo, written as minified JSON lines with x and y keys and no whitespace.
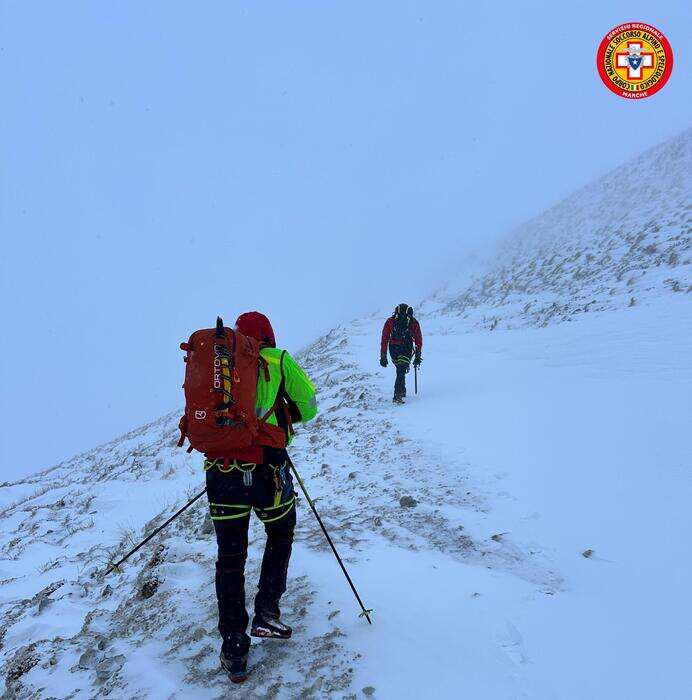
{"x":387,"y":335}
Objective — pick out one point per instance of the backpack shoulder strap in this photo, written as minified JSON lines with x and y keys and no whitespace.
{"x":279,"y":393}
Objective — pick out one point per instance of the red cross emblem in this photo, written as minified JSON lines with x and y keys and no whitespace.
{"x":635,"y":60}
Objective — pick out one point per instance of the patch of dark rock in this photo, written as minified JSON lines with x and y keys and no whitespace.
{"x":88,"y":659}
{"x":408,"y":502}
{"x":157,"y":556}
{"x":44,"y":603}
{"x":22,"y":662}
{"x":108,"y":667}
{"x":42,"y":599}
{"x":48,"y":590}
{"x":149,"y":587}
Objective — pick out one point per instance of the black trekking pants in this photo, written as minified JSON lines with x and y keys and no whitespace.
{"x":401,"y":354}
{"x":232,"y":496}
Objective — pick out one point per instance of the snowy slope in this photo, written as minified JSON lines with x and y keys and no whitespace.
{"x":524,"y":450}
{"x":544,"y":554}
{"x":149,"y":632}
{"x":576,"y":438}
{"x":621,"y":241}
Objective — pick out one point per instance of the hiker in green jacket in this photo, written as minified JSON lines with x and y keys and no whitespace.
{"x":257,"y":478}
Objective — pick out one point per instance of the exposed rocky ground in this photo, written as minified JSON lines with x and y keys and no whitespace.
{"x":619,"y":242}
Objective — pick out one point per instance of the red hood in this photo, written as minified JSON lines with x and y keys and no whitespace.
{"x":256,"y":325}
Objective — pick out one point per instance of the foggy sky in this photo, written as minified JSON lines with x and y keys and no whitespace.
{"x":163,"y":162}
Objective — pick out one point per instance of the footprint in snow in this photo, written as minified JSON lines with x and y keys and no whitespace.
{"x":511,"y":643}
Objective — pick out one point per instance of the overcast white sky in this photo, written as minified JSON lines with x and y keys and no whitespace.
{"x":163,"y":162}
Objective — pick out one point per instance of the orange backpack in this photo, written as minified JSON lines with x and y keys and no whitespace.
{"x":221,"y":371}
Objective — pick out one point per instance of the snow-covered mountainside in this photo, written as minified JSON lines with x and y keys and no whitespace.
{"x":150,"y":631}
{"x":520,"y":527}
{"x":620,"y":241}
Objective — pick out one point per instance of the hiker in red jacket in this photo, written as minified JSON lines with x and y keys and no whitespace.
{"x":401,"y":331}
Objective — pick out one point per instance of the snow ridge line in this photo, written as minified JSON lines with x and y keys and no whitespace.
{"x":622,"y":241}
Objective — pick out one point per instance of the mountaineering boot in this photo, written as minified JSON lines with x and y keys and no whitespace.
{"x":398,"y":399}
{"x":271,"y":627}
{"x":233,"y":657}
{"x":235,"y":666}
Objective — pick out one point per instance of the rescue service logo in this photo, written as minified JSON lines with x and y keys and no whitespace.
{"x":634,"y":60}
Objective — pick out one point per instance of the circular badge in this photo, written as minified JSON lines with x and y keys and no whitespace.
{"x":634,"y":60}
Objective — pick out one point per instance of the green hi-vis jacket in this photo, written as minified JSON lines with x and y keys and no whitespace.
{"x":297,"y":385}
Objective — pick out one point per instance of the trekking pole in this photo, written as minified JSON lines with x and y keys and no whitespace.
{"x":415,"y":374}
{"x":366,"y":611}
{"x":156,"y":532}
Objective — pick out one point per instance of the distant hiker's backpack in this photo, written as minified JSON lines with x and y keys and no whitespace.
{"x":221,"y":372}
{"x":401,"y":327}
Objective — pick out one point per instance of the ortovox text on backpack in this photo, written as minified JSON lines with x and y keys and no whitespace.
{"x":221,"y":373}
